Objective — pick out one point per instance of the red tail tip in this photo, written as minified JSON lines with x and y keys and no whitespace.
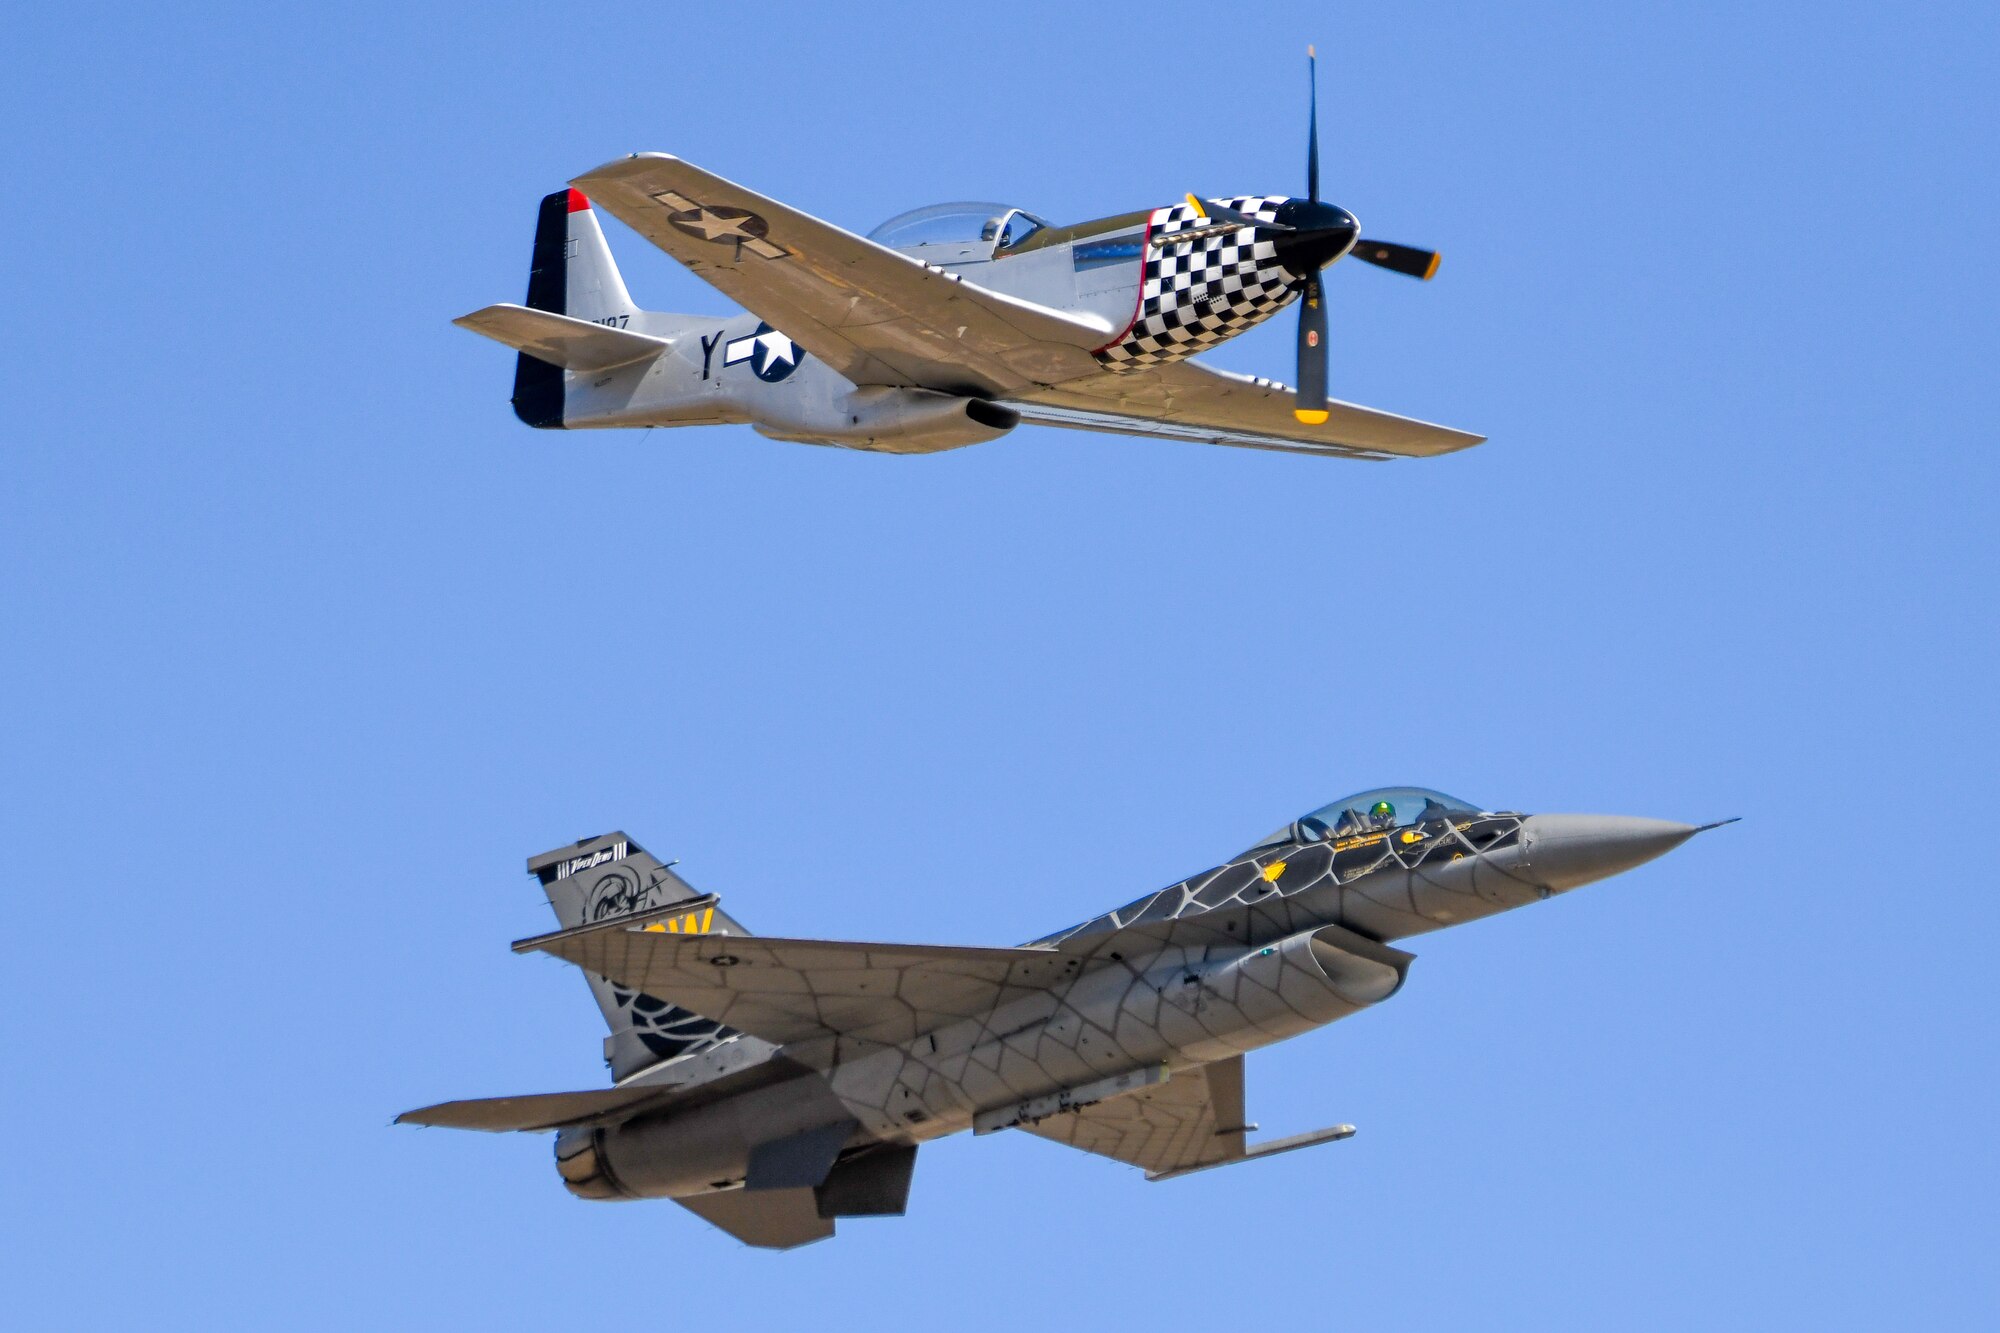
{"x":577,"y":203}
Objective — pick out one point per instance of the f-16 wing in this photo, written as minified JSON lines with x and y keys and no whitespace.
{"x":787,"y":991}
{"x":1191,"y":1122}
{"x":874,"y":315}
{"x":1193,"y":1119}
{"x":1187,"y":400}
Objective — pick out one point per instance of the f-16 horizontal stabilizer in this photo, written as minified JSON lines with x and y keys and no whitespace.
{"x":561,"y":340}
{"x":533,"y":1112}
{"x":767,"y":1219}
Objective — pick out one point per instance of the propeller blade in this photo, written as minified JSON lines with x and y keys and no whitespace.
{"x":1407,"y":259}
{"x":1310,"y":407}
{"x":1312,"y":125}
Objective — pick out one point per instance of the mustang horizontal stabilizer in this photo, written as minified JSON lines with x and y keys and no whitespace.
{"x":535,"y":1111}
{"x":560,"y":340}
{"x":876,"y":316}
{"x":788,"y":991}
{"x":1186,"y":400}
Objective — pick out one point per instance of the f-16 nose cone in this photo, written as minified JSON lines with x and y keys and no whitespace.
{"x":1566,"y":851}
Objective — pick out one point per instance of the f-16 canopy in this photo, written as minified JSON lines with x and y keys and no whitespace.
{"x":1370,"y":811}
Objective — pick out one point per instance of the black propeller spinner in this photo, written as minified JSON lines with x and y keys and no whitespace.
{"x":1310,"y":234}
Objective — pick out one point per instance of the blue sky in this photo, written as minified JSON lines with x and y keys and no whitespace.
{"x":311,"y":644}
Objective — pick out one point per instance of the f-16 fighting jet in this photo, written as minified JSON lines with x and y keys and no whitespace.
{"x":773,"y":1085}
{"x":946,"y":326}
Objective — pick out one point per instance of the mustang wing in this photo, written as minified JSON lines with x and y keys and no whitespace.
{"x":874,"y":315}
{"x":789,"y":991}
{"x":1194,"y":1119}
{"x":1186,"y":400}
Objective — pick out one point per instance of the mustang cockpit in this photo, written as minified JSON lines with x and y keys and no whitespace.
{"x":953,"y":233}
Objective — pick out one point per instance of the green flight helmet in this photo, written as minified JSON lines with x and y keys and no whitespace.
{"x":1382,"y":814}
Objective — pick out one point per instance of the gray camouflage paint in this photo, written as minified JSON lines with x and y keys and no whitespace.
{"x":1289,"y":937}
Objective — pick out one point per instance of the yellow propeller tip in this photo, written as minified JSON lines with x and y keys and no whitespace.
{"x":1195,"y":204}
{"x":1309,"y":418}
{"x":1431,"y":269}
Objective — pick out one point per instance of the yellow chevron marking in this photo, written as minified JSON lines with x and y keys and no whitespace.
{"x":1272,"y":871}
{"x":694,"y":923}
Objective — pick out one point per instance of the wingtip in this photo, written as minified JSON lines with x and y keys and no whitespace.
{"x":619,"y":166}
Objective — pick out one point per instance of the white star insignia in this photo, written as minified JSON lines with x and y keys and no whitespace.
{"x":713,"y":228}
{"x":778,"y":349}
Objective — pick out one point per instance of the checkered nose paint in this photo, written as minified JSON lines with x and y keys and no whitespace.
{"x":1199,"y":293}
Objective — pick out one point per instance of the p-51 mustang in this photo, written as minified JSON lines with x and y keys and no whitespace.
{"x":773,"y":1085}
{"x":942,"y":327}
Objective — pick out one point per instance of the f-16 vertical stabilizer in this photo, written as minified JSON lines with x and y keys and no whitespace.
{"x":599,"y":878}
